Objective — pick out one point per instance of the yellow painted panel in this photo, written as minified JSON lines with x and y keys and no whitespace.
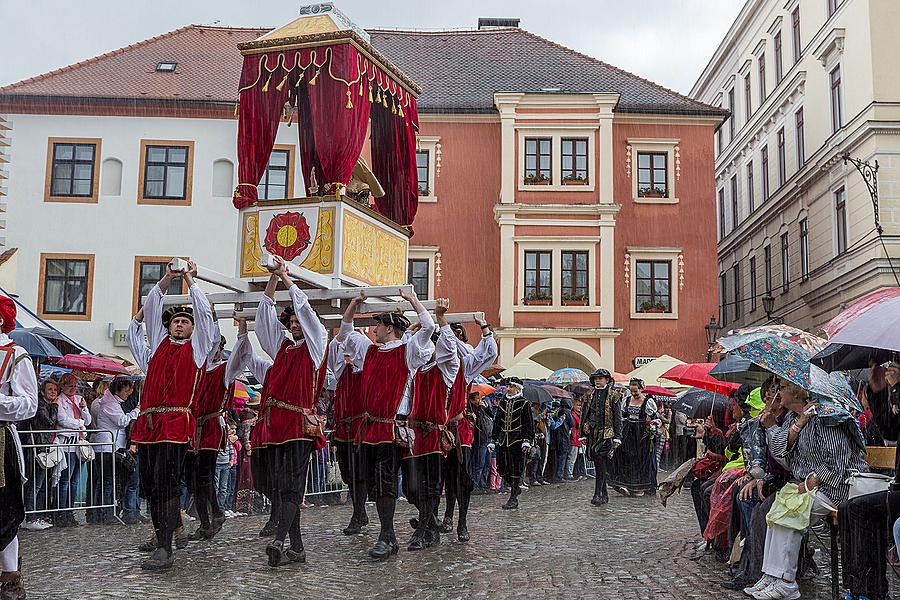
{"x":371,"y":254}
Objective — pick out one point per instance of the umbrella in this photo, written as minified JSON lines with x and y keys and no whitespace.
{"x":746,"y":335}
{"x":62,"y":343}
{"x":527,"y":369}
{"x":620,"y":377}
{"x":536,"y":394}
{"x":567,"y":376}
{"x":737,"y":369}
{"x":878,"y":327}
{"x":847,"y":357}
{"x":580,"y":389}
{"x":35,"y":345}
{"x":482,"y":389}
{"x":697,"y":375}
{"x":556,"y":392}
{"x":655,"y":390}
{"x":91,"y":364}
{"x":790,"y":361}
{"x":858,"y":309}
{"x":491,"y":371}
{"x":698,"y":403}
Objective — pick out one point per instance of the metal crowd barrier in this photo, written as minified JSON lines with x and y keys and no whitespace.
{"x":72,"y":484}
{"x":324,"y":474}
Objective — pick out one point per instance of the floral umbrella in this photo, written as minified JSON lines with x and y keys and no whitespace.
{"x":746,"y":335}
{"x":567,"y":376}
{"x":788,"y":360}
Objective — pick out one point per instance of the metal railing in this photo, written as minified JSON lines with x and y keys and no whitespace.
{"x":324,"y":474}
{"x":71,"y":483}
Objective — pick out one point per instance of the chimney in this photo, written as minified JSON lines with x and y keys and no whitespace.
{"x":487,"y":23}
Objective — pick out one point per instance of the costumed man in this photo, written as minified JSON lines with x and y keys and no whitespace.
{"x":458,"y":466}
{"x":434,"y":390}
{"x":347,"y":402}
{"x":513,"y":436}
{"x":388,"y":366}
{"x":601,"y":423}
{"x":289,"y":427}
{"x":210,"y":411}
{"x":18,"y":402}
{"x":181,"y":340}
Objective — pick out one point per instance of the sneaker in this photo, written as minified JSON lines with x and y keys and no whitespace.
{"x":779,"y":590}
{"x":763,"y":583}
{"x":37,"y":525}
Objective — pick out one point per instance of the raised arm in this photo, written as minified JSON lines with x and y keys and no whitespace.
{"x":22,"y":401}
{"x":420,"y":347}
{"x":356,"y":345}
{"x":335,"y":358}
{"x":137,"y":341}
{"x":445,"y":352}
{"x":313,"y":331}
{"x":206,"y":333}
{"x":244,"y":354}
{"x":484,"y":355}
{"x":269,"y":330}
{"x":153,"y":309}
{"x":237,"y":361}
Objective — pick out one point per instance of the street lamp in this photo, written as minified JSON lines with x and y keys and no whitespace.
{"x":712,"y":333}
{"x":769,"y":307}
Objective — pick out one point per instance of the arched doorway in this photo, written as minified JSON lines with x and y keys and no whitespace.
{"x":559,"y":353}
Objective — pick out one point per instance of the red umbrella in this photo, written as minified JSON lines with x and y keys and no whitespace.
{"x":655,"y":390}
{"x":697,"y":375}
{"x":92,"y":364}
{"x":855,"y":310}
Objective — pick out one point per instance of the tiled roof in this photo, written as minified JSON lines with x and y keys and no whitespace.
{"x":459,"y":71}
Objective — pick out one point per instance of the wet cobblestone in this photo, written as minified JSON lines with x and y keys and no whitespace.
{"x":555,"y":546}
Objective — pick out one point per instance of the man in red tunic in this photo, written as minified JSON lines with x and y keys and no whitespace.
{"x":432,"y":400}
{"x":347,"y":402}
{"x":292,"y":382}
{"x":181,"y":340}
{"x":387,"y":368}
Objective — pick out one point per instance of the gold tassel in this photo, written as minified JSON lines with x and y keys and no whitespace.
{"x":314,"y":77}
{"x":384,"y":100}
{"x":349,"y":103}
{"x":360,"y":87}
{"x":400,"y":111}
{"x":370,"y":94}
{"x":265,"y":87}
{"x":393,"y":106}
{"x":299,"y":79}
{"x":237,"y":105}
{"x":290,"y":118}
{"x":378,"y":94}
{"x":281,"y":85}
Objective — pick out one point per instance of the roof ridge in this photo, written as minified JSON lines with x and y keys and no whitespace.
{"x":440,"y":31}
{"x":620,"y":70}
{"x":99,"y":57}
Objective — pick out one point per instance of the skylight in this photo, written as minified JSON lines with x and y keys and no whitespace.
{"x":166,"y":66}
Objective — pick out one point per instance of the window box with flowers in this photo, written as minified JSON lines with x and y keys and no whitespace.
{"x":574,"y":179}
{"x":652,"y":192}
{"x":424,"y":191}
{"x":538,"y":299}
{"x":653,"y":307}
{"x":570,"y":299}
{"x":537,"y":179}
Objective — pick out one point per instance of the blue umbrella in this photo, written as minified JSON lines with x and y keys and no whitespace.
{"x":567,"y":376}
{"x":34,"y":344}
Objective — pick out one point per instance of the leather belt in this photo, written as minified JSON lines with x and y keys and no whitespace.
{"x":157,"y":410}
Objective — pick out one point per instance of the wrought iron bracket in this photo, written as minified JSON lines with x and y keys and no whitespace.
{"x":870,"y":178}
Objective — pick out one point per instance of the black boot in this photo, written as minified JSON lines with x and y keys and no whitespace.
{"x":383,"y":550}
{"x":275,"y":552}
{"x":462,"y":532}
{"x":596,"y":500}
{"x":414,"y":523}
{"x":268,"y":529}
{"x":353,"y":528}
{"x":417,"y":541}
{"x":160,"y":560}
{"x":446,"y":525}
{"x":295,"y":554}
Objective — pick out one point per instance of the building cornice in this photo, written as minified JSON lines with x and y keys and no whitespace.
{"x":831,"y":43}
{"x":543,"y":209}
{"x":565,"y":332}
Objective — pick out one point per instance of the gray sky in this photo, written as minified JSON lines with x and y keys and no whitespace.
{"x":667,"y":41}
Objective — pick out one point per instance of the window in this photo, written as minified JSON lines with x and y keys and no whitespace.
{"x":752,"y":284}
{"x":417,"y":274}
{"x":72,"y":170}
{"x":64,"y":286}
{"x":833,"y":6}
{"x":837,"y":111}
{"x":748,"y":99}
{"x":574,"y":152}
{"x":782,"y":159}
{"x":750,"y":191}
{"x":767,"y":269}
{"x":166,"y":66}
{"x":537,"y":161}
{"x":574,"y":275}
{"x":764,"y":156}
{"x":840,"y":219}
{"x":652,"y":175}
{"x":804,"y":249}
{"x":277,"y":182}
{"x":537,"y":275}
{"x":779,"y":62}
{"x":736,"y":282}
{"x":785,"y":264}
{"x":148,"y":270}
{"x":735,"y":213}
{"x":801,"y":145}
{"x":653,"y":286}
{"x":733,"y":114}
{"x":721,"y":213}
{"x":762,"y":77}
{"x":720,"y":144}
{"x":422,"y":172}
{"x":795,"y":33}
{"x":723,"y":298}
{"x":166,"y":172}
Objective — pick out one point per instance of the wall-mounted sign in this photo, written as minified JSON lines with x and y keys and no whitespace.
{"x":640,"y":361}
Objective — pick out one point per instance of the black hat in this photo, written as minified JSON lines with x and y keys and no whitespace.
{"x":638,"y":381}
{"x":513,"y":380}
{"x":394,"y":319}
{"x":285,"y":316}
{"x":177,"y":311}
{"x":600,"y":373}
{"x":460,"y":331}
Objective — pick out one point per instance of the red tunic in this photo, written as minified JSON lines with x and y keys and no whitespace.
{"x":170,"y":389}
{"x":459,"y":398}
{"x":431,"y":399}
{"x":292,"y":383}
{"x":212,"y":402}
{"x":384,"y":378}
{"x":347,"y":404}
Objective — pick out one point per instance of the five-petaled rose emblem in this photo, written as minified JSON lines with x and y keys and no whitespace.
{"x":287,"y":235}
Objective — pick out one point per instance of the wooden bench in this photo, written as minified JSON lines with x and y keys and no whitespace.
{"x":878,"y":457}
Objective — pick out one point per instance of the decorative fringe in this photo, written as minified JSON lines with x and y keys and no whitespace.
{"x":265,"y":86}
{"x":281,"y":85}
{"x":378,"y":95}
{"x":314,"y":77}
{"x":384,"y":100}
{"x":393,"y":106}
{"x":400,"y":111}
{"x":360,"y":88}
{"x":290,"y":118}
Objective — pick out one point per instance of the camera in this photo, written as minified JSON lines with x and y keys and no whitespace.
{"x":690,"y":430}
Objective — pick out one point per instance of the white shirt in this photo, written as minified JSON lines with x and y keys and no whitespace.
{"x":270,"y":331}
{"x":419,"y":349}
{"x":112,"y":421}
{"x":446,"y":355}
{"x":476,"y":360}
{"x":18,"y":393}
{"x":71,"y":416}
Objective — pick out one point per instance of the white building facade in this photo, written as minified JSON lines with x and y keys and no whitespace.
{"x":806,"y":81}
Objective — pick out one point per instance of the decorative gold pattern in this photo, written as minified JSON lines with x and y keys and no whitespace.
{"x":251,"y":254}
{"x":371,"y":254}
{"x":305,"y":25}
{"x":320,"y":258}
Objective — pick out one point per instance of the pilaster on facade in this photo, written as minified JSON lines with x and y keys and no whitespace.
{"x":5,"y":145}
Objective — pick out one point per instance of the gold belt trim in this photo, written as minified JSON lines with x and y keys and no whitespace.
{"x":426,"y":426}
{"x":157,"y":410}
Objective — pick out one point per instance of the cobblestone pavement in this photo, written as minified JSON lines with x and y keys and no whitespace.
{"x":555,"y":546}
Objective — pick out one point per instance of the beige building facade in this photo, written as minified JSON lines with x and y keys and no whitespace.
{"x":806,"y":81}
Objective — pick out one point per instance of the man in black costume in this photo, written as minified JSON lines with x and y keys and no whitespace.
{"x":601,"y":423}
{"x":513,"y":435}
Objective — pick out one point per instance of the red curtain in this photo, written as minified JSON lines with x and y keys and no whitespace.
{"x":394,"y":162}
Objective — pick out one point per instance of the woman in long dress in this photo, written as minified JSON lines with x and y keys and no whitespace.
{"x":632,"y":471}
